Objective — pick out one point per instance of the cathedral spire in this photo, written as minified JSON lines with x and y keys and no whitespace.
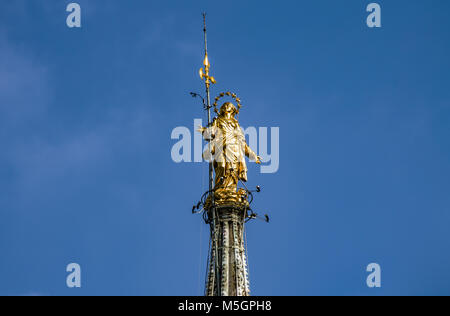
{"x":225,"y":206}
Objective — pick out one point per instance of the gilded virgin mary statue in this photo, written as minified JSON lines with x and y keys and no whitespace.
{"x":227,"y":151}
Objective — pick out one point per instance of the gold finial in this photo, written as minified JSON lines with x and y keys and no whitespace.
{"x":204,"y":72}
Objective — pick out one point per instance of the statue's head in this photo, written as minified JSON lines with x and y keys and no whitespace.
{"x":228,"y":107}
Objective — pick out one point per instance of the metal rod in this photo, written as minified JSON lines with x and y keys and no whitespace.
{"x":211,"y":174}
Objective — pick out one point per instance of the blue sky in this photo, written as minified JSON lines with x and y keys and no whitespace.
{"x":86,"y":115}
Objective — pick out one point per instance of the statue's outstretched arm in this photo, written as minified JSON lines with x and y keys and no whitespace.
{"x":251,"y":154}
{"x":208,"y":132}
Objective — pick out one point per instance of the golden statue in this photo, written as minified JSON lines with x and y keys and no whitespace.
{"x":227,"y":150}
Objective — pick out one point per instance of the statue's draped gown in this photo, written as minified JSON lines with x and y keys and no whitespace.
{"x":229,"y":148}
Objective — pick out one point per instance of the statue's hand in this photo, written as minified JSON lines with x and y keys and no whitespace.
{"x":201,"y":129}
{"x":258,"y":160}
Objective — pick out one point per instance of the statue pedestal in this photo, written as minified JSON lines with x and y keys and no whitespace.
{"x":228,"y":274}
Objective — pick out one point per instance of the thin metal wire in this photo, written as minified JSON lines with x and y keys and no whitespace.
{"x":246,"y":255}
{"x":200,"y":257}
{"x":207,"y":269}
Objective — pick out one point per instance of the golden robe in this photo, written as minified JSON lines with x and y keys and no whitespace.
{"x":228,"y":152}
